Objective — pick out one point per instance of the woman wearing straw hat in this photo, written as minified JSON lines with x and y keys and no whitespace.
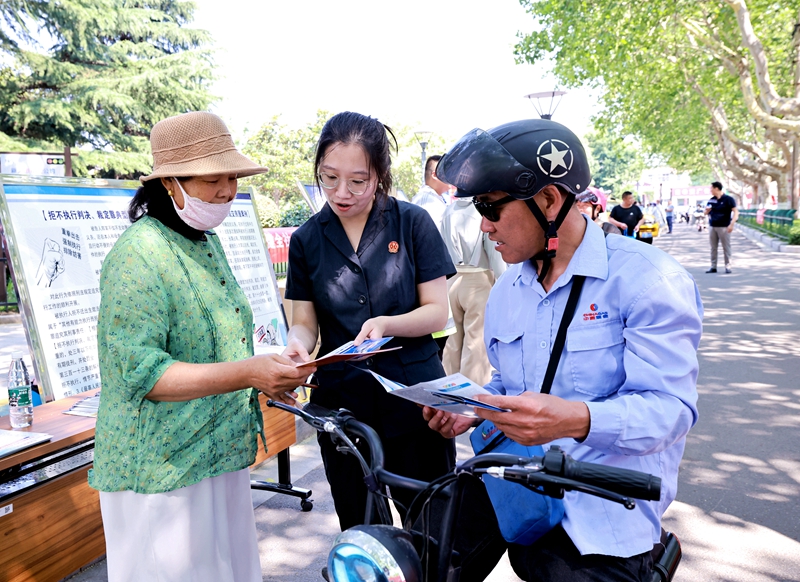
{"x":179,"y":417}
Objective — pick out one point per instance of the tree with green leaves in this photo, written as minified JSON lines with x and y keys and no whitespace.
{"x":616,"y":163}
{"x":96,"y":75}
{"x":289,"y":155}
{"x":702,"y":83}
{"x":407,"y":161}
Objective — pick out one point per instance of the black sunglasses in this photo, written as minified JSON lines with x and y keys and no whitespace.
{"x":490,"y":210}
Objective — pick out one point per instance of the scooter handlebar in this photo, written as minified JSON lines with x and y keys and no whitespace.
{"x":623,"y":481}
{"x":557,"y":464}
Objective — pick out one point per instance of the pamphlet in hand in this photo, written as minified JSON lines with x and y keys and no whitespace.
{"x":350,"y":352}
{"x":455,"y":393}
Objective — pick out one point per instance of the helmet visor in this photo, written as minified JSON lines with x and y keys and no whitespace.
{"x":478,"y":164}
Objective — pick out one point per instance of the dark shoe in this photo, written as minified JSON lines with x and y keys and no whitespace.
{"x":727,"y":269}
{"x":711,"y":270}
{"x":325,"y":573}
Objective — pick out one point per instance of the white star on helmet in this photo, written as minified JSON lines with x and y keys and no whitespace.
{"x":558,"y":158}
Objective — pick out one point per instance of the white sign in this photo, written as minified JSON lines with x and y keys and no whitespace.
{"x":58,"y":236}
{"x":33,"y":164}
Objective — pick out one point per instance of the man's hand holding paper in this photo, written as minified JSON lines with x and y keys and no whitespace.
{"x":447,"y":424}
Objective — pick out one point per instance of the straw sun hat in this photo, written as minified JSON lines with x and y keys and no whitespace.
{"x":196,"y":144}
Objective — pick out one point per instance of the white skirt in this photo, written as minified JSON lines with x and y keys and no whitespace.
{"x":204,"y":532}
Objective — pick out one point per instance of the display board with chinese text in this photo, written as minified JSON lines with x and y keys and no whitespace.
{"x":59,"y":232}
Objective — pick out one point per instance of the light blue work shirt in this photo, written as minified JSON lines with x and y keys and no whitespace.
{"x":630,"y":354}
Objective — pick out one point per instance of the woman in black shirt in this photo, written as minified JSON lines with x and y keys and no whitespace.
{"x":369,"y":266}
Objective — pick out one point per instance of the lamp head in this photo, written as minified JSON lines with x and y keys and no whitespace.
{"x":374,"y":553}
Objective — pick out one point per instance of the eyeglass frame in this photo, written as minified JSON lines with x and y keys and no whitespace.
{"x":488,"y":210}
{"x":347,"y":183}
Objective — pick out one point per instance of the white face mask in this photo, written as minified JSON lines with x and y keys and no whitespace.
{"x":199,"y":214}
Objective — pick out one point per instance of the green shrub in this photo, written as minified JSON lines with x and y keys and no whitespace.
{"x":269,"y":213}
{"x":294,"y":213}
{"x":794,"y":235}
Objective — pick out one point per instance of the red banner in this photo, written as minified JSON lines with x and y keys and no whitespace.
{"x":278,"y":246}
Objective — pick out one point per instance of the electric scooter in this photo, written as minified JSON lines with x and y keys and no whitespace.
{"x":384,"y":553}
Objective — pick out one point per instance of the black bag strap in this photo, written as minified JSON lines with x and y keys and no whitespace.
{"x":561,"y":336}
{"x":555,"y":355}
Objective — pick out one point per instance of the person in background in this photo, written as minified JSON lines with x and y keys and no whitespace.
{"x":669,"y":213}
{"x":627,"y":216}
{"x":478,"y":265}
{"x":369,"y":266}
{"x":722,"y":215}
{"x":624,"y":393}
{"x":593,"y":206}
{"x":179,"y":415}
{"x":434,"y":195}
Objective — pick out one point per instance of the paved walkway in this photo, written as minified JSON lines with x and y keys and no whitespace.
{"x":738,"y":504}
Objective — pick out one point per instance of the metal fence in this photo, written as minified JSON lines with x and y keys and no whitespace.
{"x":777,"y":222}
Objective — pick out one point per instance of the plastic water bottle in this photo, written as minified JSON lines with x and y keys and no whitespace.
{"x":20,"y":404}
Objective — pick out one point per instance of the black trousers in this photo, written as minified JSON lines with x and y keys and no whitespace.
{"x":477,"y":538}
{"x":554,"y":558}
{"x":423,"y":454}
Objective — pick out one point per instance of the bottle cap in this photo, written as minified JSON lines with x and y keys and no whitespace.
{"x":16,"y":356}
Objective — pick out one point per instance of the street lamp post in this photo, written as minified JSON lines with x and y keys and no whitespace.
{"x":545,"y":110}
{"x":422,"y":138}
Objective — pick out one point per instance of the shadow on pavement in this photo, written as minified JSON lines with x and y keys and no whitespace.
{"x":742,"y":458}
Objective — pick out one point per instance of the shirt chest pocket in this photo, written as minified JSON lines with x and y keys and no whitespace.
{"x":595,"y":355}
{"x":506,"y":351}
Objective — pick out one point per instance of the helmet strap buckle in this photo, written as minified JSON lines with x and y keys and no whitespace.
{"x":550,"y":229}
{"x":551,"y":239}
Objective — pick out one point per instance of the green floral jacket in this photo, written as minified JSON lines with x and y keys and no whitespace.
{"x":166,"y":299}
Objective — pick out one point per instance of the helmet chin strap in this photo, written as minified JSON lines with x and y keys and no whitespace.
{"x":550,"y":229}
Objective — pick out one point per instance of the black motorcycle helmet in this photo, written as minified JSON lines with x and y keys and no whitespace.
{"x":520,"y":158}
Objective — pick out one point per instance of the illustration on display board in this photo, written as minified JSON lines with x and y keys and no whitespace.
{"x":52,"y":264}
{"x":59,"y":231}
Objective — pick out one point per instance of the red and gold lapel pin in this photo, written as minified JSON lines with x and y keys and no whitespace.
{"x":394,"y":247}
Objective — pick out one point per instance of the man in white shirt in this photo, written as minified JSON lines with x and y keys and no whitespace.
{"x":478,"y":264}
{"x":433,"y":196}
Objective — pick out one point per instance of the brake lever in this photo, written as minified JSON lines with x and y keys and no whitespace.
{"x":315,"y":421}
{"x":531,"y":480}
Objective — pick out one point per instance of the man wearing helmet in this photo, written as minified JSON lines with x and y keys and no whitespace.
{"x":592,"y":204}
{"x":624,"y":391}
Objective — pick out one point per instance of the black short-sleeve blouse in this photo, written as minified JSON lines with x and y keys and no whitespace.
{"x":399,"y":249}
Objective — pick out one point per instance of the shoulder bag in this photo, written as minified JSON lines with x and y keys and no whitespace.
{"x":524,"y":515}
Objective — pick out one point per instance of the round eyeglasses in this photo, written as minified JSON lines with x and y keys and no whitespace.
{"x":355,"y":186}
{"x":491,"y":210}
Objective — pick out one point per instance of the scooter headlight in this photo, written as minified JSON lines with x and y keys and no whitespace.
{"x":374,"y":553}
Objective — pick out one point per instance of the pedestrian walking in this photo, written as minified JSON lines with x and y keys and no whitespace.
{"x":627,"y":216}
{"x":669,"y":212}
{"x":722,"y":215}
